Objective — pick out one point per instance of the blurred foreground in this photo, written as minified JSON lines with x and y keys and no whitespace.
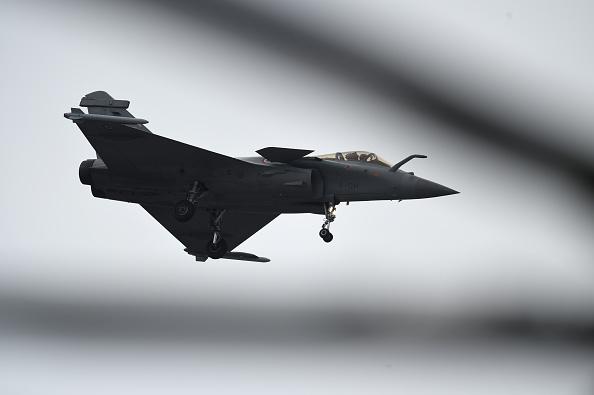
{"x":99,"y":346}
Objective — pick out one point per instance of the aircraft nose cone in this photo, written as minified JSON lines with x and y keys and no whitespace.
{"x":429,"y":189}
{"x":412,"y":187}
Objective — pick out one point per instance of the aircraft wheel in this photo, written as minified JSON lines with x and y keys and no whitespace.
{"x":183,"y":210}
{"x":326,"y":235}
{"x":216,"y":251}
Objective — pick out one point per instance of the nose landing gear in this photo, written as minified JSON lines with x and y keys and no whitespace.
{"x":330,"y":211}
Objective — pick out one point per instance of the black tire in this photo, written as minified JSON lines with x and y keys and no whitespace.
{"x":183,"y":210}
{"x":328,"y":237}
{"x":216,"y":251}
{"x":324,"y":233}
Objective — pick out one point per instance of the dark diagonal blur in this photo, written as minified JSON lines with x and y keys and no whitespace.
{"x":321,"y":46}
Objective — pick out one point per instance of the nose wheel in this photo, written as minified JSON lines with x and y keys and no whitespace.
{"x":326,"y":235}
{"x":330,"y":212}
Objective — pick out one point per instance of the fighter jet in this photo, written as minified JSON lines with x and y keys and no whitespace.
{"x":212,"y":202}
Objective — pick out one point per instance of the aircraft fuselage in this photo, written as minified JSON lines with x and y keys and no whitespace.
{"x":190,"y":189}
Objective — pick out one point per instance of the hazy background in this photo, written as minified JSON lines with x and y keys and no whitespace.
{"x":487,"y":292}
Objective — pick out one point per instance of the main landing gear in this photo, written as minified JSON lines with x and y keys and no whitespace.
{"x":184,"y":209}
{"x":330,"y":211}
{"x":217,"y":247}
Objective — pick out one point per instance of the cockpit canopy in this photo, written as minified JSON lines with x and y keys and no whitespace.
{"x":356,"y":156}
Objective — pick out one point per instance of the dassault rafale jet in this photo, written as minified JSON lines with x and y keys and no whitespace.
{"x":211,"y":202}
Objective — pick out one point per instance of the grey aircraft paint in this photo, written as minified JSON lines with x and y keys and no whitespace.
{"x":190,"y":190}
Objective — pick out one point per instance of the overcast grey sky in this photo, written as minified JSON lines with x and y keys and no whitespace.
{"x":517,"y":240}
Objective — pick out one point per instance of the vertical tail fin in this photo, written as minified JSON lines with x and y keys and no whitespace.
{"x":101,"y":103}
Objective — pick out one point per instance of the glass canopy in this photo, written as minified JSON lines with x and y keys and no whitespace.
{"x":356,"y":156}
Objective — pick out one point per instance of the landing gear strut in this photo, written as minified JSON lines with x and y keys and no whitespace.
{"x":330,"y":211}
{"x":184,"y":209}
{"x":217,"y":247}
